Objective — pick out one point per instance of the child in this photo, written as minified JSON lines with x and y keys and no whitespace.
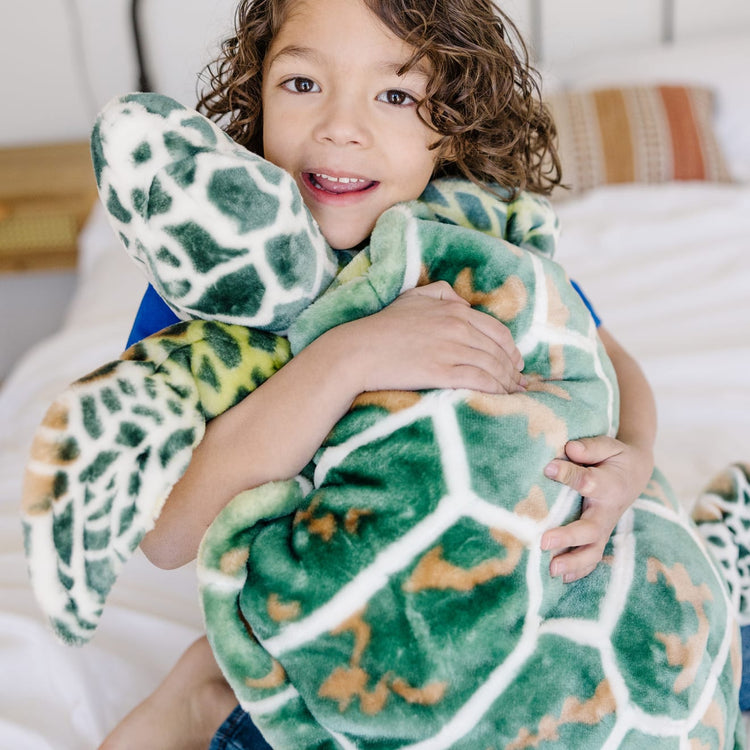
{"x":363,"y":103}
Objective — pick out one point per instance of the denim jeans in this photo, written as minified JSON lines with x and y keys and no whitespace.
{"x":745,"y":684}
{"x":238,"y":733}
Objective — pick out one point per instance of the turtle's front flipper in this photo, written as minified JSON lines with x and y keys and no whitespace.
{"x":112,"y":446}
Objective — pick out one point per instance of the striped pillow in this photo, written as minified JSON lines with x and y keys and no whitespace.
{"x":637,"y":134}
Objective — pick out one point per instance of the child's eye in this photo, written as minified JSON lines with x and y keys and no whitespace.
{"x":300,"y":85}
{"x":396,"y":96}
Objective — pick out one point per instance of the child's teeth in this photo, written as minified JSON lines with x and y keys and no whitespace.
{"x":344,"y":180}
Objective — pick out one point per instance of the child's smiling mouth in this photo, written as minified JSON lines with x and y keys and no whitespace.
{"x":333,"y":185}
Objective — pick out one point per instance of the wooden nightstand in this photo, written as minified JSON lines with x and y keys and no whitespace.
{"x":46,"y":193}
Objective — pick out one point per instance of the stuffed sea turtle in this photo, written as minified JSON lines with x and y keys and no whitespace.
{"x":395,"y":594}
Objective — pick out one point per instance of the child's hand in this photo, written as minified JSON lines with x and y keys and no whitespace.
{"x":429,"y":337}
{"x":610,"y":475}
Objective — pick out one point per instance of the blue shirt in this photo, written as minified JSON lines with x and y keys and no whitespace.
{"x":589,"y":306}
{"x":153,"y":315}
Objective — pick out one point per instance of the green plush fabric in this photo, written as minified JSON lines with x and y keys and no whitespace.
{"x":201,"y":216}
{"x":396,"y":595}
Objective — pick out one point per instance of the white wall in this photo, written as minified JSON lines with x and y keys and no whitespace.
{"x":698,"y":18}
{"x":573,"y":28}
{"x":606,"y":25}
{"x":69,"y":57}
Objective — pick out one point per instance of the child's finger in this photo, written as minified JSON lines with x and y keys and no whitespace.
{"x":580,"y":478}
{"x":437,"y":290}
{"x":578,"y":533}
{"x":499,"y":333}
{"x":489,"y":379}
{"x":476,"y":355}
{"x":484,"y":352}
{"x":483,"y":322}
{"x":576,"y":563}
{"x":593,"y":450}
{"x":467,"y":344}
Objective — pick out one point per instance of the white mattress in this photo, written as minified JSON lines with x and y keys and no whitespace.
{"x":668,"y":269}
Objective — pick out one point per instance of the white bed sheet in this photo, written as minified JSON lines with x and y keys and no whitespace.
{"x":666,"y":266}
{"x":54,"y":697}
{"x":668,"y":269}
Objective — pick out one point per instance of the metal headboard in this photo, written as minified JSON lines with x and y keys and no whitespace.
{"x":144,"y":80}
{"x":536,"y":11}
{"x":667,"y":21}
{"x":536,"y":34}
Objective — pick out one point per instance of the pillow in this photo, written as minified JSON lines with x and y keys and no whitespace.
{"x":637,"y":134}
{"x":109,"y":285}
{"x":719,"y":63}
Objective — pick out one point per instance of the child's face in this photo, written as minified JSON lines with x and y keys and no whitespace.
{"x":339,"y":119}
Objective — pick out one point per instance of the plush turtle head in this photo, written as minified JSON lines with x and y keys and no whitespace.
{"x":220,"y":233}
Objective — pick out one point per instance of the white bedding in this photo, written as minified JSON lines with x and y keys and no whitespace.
{"x":52,"y":696}
{"x":668,"y":269}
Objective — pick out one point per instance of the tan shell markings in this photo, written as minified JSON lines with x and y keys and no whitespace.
{"x":274,"y":679}
{"x":655,"y":490}
{"x":434,"y":572}
{"x":713,"y":719}
{"x":685,"y":653}
{"x":589,"y":712}
{"x":323,"y":526}
{"x":391,"y":401}
{"x":346,"y":683}
{"x":533,"y":506}
{"x":505,"y":302}
{"x":280,"y":611}
{"x":326,"y":526}
{"x":542,"y":420}
{"x":233,"y":560}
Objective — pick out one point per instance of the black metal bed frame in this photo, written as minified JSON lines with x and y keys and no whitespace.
{"x":537,"y":25}
{"x":536,"y":40}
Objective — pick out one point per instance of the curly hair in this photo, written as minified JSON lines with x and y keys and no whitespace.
{"x":483,"y":96}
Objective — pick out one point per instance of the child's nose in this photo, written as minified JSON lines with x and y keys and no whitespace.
{"x":342,"y":122}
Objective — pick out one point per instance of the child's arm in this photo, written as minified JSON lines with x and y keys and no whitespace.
{"x":427,"y":338}
{"x":610,"y":473}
